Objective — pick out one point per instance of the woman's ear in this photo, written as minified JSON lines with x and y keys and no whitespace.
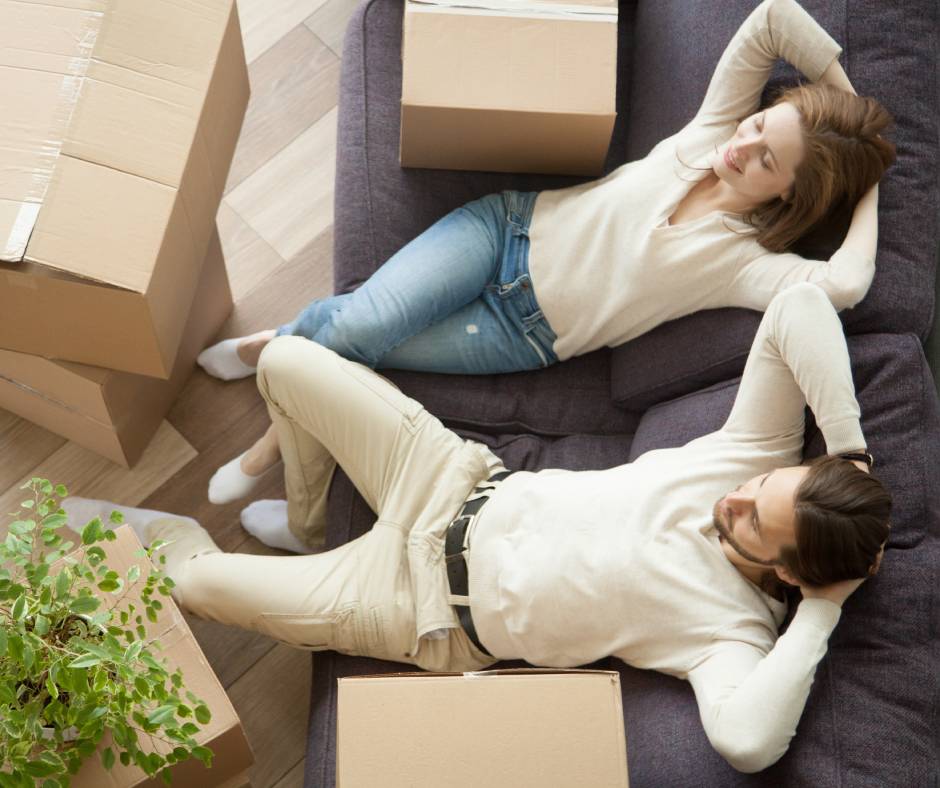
{"x":786,"y":576}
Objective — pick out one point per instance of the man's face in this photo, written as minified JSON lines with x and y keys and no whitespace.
{"x":757,"y":518}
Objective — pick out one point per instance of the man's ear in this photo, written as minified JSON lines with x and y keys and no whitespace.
{"x":786,"y":576}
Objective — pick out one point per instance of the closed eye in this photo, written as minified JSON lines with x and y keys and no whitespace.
{"x":760,"y":127}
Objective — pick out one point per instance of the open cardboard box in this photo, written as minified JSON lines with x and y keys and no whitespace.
{"x":223,"y":734}
{"x":115,"y":414}
{"x":508,"y":85}
{"x":120,"y":123}
{"x":500,"y":729}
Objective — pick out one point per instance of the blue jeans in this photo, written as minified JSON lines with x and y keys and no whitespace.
{"x":457,"y":299}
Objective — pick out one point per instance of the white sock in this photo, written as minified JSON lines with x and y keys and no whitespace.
{"x":230,"y":482}
{"x":222,"y":361}
{"x":81,"y":511}
{"x":267,"y":522}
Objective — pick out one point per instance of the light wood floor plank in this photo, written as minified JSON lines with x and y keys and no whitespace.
{"x":289,"y":201}
{"x":293,"y":85}
{"x":248,"y":257}
{"x":90,"y":476}
{"x":23,"y":446}
{"x":265,"y":22}
{"x":330,"y":20}
{"x":294,"y":778}
{"x":272,"y":701}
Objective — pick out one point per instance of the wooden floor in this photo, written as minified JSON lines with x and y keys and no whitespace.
{"x":276,"y":228}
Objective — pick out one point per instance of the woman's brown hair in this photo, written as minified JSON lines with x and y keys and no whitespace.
{"x":844,"y":156}
{"x":841,"y":516}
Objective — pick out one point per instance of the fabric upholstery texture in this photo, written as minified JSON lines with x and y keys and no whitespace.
{"x":872,"y":715}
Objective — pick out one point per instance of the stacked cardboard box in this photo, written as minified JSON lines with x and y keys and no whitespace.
{"x":508,"y":85}
{"x":112,"y":168}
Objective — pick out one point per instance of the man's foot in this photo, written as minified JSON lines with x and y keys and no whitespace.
{"x":267,"y":522}
{"x":81,"y":511}
{"x":236,"y":358}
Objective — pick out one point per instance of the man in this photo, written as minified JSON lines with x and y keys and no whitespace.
{"x":561,"y":568}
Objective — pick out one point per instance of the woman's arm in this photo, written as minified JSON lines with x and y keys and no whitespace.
{"x":775,"y":29}
{"x":845,"y":277}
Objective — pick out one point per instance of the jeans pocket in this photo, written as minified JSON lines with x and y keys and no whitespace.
{"x":314,"y":632}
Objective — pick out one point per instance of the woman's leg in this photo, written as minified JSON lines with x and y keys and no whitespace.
{"x":432,"y":276}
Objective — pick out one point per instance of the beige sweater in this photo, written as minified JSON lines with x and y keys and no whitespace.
{"x":605,"y":264}
{"x":569,"y":567}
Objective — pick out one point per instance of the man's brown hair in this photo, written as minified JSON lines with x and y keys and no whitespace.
{"x":841,"y":516}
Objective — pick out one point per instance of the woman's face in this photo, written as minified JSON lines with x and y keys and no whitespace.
{"x":759,"y":161}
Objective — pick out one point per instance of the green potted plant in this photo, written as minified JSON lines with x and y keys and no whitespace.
{"x":76,"y":662}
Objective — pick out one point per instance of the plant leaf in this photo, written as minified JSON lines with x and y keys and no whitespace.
{"x":162,"y":714}
{"x":203,"y":715}
{"x":62,"y":582}
{"x":92,"y":531}
{"x":19,"y":608}
{"x":84,"y":604}
{"x":85,"y":661}
{"x":41,"y":625}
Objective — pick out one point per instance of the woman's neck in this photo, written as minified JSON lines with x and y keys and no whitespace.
{"x":716,"y":195}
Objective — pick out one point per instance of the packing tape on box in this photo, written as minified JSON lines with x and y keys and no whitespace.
{"x":546,"y":8}
{"x":30,"y":161}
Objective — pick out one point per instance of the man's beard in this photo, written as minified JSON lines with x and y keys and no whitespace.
{"x":724,"y":534}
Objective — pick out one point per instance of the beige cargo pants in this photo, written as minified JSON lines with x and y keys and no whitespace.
{"x":370,"y":596}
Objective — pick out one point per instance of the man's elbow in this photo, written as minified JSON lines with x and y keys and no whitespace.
{"x":748,"y":754}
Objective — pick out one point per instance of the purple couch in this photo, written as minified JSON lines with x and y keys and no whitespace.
{"x":873,"y":715}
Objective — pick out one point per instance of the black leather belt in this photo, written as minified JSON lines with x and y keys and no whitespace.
{"x":454,"y":546}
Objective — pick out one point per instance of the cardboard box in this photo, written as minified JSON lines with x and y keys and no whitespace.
{"x":223,"y":735}
{"x":501,"y":729}
{"x":508,"y":85}
{"x":115,"y":414}
{"x":120,"y":124}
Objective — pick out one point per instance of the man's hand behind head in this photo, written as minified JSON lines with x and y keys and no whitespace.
{"x":839,"y":592}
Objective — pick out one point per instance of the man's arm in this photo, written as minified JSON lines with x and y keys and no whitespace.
{"x":799,"y":356}
{"x":751,"y":703}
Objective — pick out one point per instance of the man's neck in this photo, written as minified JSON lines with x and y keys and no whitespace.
{"x":755,"y":574}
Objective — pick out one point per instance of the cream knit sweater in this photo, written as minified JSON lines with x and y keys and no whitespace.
{"x":605,"y":264}
{"x":569,"y":567}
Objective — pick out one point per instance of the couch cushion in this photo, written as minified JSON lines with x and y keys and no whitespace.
{"x":565,"y":399}
{"x":901,"y":298}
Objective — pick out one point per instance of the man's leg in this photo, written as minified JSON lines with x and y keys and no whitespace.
{"x":327,"y":410}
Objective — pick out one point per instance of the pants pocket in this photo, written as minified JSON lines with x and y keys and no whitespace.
{"x":334,"y":631}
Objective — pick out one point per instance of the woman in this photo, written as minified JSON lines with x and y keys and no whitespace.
{"x":520,"y":280}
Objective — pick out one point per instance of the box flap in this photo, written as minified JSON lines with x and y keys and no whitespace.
{"x":84,"y":199}
{"x":533,"y":58}
{"x":113,"y":84}
{"x":44,"y":51}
